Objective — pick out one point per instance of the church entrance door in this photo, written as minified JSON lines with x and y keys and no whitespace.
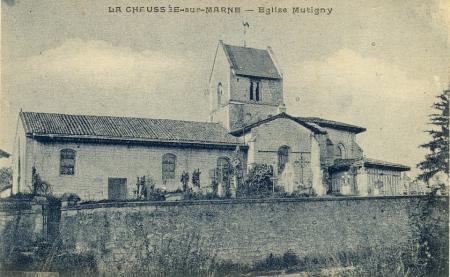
{"x":117,"y":188}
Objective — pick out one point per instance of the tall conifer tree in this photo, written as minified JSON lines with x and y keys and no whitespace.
{"x":436,"y":160}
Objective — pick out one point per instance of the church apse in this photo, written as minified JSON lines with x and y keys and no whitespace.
{"x":293,"y":154}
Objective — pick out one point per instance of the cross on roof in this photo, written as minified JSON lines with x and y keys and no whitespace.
{"x":246,"y":26}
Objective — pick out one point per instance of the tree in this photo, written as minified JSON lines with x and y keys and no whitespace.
{"x":436,"y":161}
{"x":259,"y":182}
{"x":5,"y":177}
{"x":196,"y":178}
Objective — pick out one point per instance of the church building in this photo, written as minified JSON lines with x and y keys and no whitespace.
{"x":101,"y":157}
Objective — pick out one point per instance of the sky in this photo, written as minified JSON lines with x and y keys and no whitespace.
{"x":377,"y":64}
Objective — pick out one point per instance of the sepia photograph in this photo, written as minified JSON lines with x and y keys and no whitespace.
{"x":224,"y":138}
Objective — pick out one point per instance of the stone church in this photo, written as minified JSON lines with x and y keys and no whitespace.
{"x":101,"y":157}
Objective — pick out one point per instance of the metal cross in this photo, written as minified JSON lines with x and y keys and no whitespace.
{"x":246,"y":26}
{"x":303,"y":162}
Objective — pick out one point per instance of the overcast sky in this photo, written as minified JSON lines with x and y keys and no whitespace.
{"x":377,"y":64}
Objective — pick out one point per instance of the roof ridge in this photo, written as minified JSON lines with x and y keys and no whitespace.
{"x":226,"y":44}
{"x":324,"y":121}
{"x":117,"y":116}
{"x":322,"y":118}
{"x":121,"y":127}
{"x":316,"y":129}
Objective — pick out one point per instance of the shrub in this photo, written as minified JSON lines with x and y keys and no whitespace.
{"x":290,"y":259}
{"x":271,"y":262}
{"x":145,"y":189}
{"x":259,"y":182}
{"x":183,"y":256}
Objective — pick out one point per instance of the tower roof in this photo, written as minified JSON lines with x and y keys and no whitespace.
{"x":251,"y":61}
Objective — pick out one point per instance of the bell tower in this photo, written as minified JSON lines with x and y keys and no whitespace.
{"x":245,"y":86}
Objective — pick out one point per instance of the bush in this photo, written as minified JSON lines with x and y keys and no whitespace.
{"x":41,"y":255}
{"x":183,"y":256}
{"x":290,"y":259}
{"x":155,"y":195}
{"x":271,"y":262}
{"x":146,"y":190}
{"x":259,"y":182}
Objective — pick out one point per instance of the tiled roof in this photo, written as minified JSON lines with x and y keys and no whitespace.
{"x":333,"y":124}
{"x":368,"y":162}
{"x":124,"y":128}
{"x":311,"y":126}
{"x":342,"y":164}
{"x":251,"y":62}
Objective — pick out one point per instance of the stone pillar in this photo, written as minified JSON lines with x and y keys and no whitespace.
{"x":361,"y":182}
{"x":40,"y":206}
{"x":316,"y":170}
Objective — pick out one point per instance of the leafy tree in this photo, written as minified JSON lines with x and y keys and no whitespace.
{"x":5,"y":177}
{"x":436,"y":161}
{"x":259,"y":182}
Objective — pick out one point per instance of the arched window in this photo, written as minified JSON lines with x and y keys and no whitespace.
{"x":340,"y":152}
{"x":223,"y":170}
{"x":67,"y":162}
{"x":330,"y":150}
{"x":255,"y":93}
{"x":219,"y":94}
{"x":283,"y":157}
{"x":168,"y":166}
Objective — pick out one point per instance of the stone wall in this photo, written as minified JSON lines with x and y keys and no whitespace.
{"x":21,"y":225}
{"x":271,"y":90}
{"x":245,"y":114}
{"x":220,"y":74}
{"x":243,"y":231}
{"x":348,"y":140}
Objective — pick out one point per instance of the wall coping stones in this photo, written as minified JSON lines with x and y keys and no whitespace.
{"x":12,"y":205}
{"x":140,"y":203}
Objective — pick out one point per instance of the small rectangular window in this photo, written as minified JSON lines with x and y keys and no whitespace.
{"x":67,"y":162}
